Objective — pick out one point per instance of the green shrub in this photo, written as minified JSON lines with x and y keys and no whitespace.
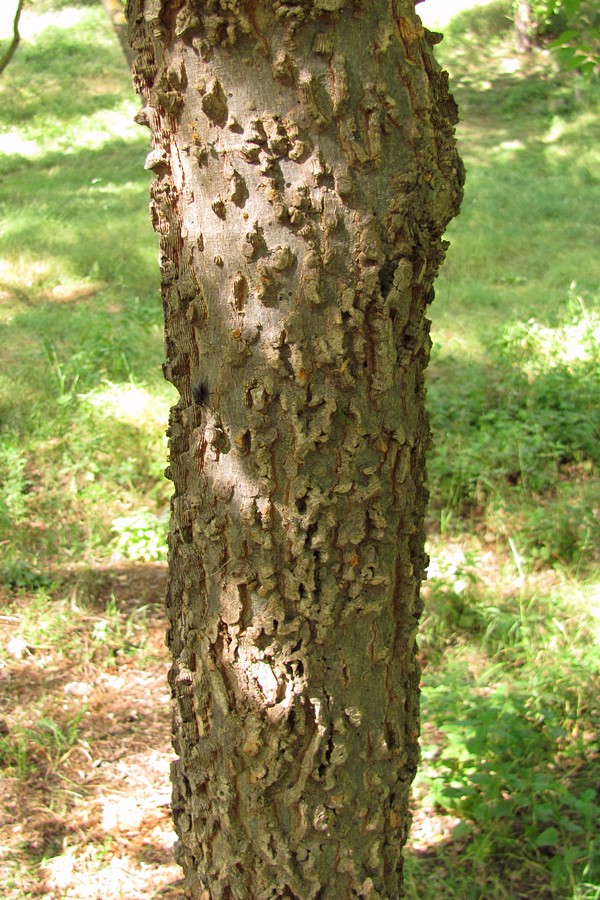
{"x":482,"y":22}
{"x":534,"y":407}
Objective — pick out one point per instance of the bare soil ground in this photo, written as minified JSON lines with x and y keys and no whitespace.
{"x":85,"y":811}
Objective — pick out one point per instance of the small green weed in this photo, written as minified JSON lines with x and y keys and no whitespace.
{"x":497,"y":770}
{"x":22,"y":575}
{"x":40,"y":747}
{"x":511,"y":742}
{"x":54,"y":738}
{"x":14,"y":755}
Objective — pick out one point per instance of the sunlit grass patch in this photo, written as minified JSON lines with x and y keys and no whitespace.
{"x":573,"y":343}
{"x":90,"y":131}
{"x":130,"y":403}
{"x":64,"y":484}
{"x":74,"y":43}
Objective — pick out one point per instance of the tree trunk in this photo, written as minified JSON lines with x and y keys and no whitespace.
{"x":305,"y":171}
{"x":523,"y":27}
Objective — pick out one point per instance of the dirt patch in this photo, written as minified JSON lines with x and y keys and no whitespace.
{"x":85,"y":743}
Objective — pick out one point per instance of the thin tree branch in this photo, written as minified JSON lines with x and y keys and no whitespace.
{"x":8,"y":55}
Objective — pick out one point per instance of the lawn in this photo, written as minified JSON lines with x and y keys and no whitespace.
{"x":506,"y":803}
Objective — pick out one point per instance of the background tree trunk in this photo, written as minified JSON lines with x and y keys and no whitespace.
{"x":523,"y":27}
{"x":115,"y":11}
{"x":306,"y":169}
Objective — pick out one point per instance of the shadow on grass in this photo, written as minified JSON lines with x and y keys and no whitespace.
{"x":505,"y":95}
{"x":83,"y":214}
{"x":40,"y":82}
{"x":81,"y":288}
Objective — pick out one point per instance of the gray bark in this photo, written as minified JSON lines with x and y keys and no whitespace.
{"x":305,"y":171}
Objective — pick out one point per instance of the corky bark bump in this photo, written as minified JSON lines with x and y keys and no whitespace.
{"x":305,"y":171}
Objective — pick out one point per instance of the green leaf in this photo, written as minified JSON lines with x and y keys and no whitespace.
{"x":462,"y":830}
{"x":548,"y":838}
{"x":458,"y":793}
{"x":564,"y":38}
{"x":570,"y":6}
{"x":578,"y":62}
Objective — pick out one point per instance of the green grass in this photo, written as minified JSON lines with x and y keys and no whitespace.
{"x":515,"y":374}
{"x":511,"y":635}
{"x":80,"y":321}
{"x":511,"y":735}
{"x":507,"y":800}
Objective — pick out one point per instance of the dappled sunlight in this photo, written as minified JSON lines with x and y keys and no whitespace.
{"x":437,"y":13}
{"x":134,"y":838}
{"x":511,"y":65}
{"x":21,"y":277}
{"x":132,"y":403}
{"x":97,"y":790}
{"x":112,"y":188}
{"x":32,"y":26}
{"x":12,"y":143}
{"x":508,"y":150}
{"x":565,"y":145}
{"x":570,"y":344}
{"x":87,"y":132}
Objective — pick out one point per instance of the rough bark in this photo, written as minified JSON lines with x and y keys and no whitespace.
{"x":305,"y":171}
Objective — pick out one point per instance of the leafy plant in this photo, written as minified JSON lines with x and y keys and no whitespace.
{"x":140,"y":535}
{"x":575,"y":26}
{"x":496,"y":765}
{"x":23,"y":575}
{"x":518,"y":424}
